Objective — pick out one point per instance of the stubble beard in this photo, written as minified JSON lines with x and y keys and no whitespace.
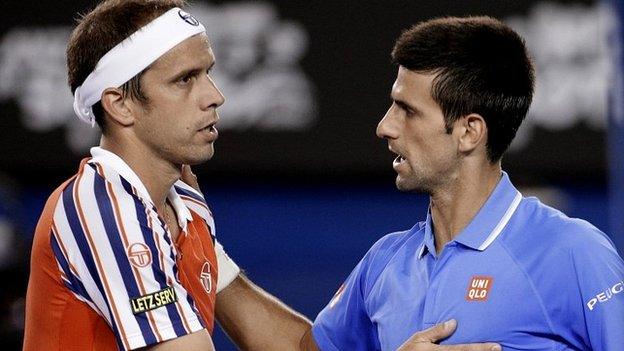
{"x":201,"y":156}
{"x":413,"y":184}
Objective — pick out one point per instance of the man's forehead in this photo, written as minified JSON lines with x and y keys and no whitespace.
{"x":194,"y":49}
{"x":410,"y":84}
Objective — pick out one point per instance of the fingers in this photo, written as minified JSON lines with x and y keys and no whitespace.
{"x":425,"y":340}
{"x":189,"y":177}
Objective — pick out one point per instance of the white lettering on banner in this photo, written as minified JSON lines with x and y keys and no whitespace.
{"x":568,"y":43}
{"x":258,"y":70}
{"x":605,"y":295}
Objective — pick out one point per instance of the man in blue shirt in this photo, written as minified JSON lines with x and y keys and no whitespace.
{"x":508,"y":269}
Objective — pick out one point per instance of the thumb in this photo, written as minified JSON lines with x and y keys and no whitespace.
{"x":435,"y":333}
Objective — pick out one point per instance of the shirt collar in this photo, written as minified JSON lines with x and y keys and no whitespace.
{"x":428,"y":244}
{"x":182,"y":212}
{"x":489,"y":222}
{"x":115,"y":162}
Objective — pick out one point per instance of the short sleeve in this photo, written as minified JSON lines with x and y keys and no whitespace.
{"x":600,"y":275}
{"x":344,"y":323}
{"x":114,"y":254}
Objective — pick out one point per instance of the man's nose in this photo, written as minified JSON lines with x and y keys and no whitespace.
{"x":386,"y":128}
{"x":211,"y":95}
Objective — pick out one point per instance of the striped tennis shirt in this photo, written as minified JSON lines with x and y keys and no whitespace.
{"x":106,"y":272}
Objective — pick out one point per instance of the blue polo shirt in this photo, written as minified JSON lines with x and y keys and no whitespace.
{"x":521,"y":274}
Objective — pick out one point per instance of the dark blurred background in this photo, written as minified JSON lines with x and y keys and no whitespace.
{"x":300,"y":185}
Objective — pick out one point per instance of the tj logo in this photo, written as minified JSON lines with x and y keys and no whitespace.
{"x":139,"y":255}
{"x":188,"y":18}
{"x":206,"y":278}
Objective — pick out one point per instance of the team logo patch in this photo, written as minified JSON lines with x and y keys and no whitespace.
{"x":140,"y":255}
{"x":337,"y":296}
{"x":154,"y":300}
{"x":479,"y":288}
{"x":205,"y":277}
{"x":188,"y":18}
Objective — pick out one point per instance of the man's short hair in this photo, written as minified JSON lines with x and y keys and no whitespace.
{"x":103,"y":28}
{"x":482,"y":66}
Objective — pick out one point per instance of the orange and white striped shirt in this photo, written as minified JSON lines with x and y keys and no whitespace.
{"x":105,"y":272}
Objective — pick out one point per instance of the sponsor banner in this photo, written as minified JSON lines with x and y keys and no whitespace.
{"x":306,"y":85}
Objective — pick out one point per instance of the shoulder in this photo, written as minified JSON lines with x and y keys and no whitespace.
{"x":382,"y":252}
{"x":99,"y":203}
{"x":543,"y":235}
{"x":385,"y":247}
{"x":97,"y":182}
{"x":41,"y":249}
{"x":99,"y":191}
{"x":555,"y":227}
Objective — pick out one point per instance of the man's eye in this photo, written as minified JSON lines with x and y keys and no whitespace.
{"x":186,"y":79}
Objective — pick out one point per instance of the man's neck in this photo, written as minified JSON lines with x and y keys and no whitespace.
{"x":157,"y":174}
{"x":454,"y":206}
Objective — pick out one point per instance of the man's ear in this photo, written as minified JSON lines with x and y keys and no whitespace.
{"x":118,"y":107}
{"x":473,"y":132}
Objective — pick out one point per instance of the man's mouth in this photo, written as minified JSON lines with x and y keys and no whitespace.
{"x":399,"y":159}
{"x":210,"y":128}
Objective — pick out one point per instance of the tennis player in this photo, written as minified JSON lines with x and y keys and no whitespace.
{"x":124,"y":253}
{"x":507,"y":268}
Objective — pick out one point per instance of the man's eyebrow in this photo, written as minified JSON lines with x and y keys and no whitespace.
{"x":192,"y":71}
{"x":405,"y":106}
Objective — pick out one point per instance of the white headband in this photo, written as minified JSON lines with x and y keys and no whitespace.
{"x":133,"y":55}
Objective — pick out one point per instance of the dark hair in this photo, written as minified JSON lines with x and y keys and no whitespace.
{"x":482,"y":67}
{"x":97,"y":32}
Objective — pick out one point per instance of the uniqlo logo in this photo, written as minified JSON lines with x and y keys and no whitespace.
{"x":479,"y":288}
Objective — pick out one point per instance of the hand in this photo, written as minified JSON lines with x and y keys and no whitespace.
{"x":425,"y":340}
{"x":189,"y":177}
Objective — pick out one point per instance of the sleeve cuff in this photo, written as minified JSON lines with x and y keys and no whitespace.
{"x":228,"y":269}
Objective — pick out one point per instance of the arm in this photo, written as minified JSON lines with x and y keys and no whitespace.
{"x":252,"y":318}
{"x":198,"y":341}
{"x":255,"y":320}
{"x":600,"y":280}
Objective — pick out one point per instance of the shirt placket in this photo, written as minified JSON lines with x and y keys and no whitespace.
{"x":436,"y":286}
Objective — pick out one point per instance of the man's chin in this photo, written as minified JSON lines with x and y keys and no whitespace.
{"x":410,"y":186}
{"x":199,"y":159}
{"x":402,"y":185}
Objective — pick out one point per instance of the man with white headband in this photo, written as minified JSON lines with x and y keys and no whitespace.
{"x":124,"y":255}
